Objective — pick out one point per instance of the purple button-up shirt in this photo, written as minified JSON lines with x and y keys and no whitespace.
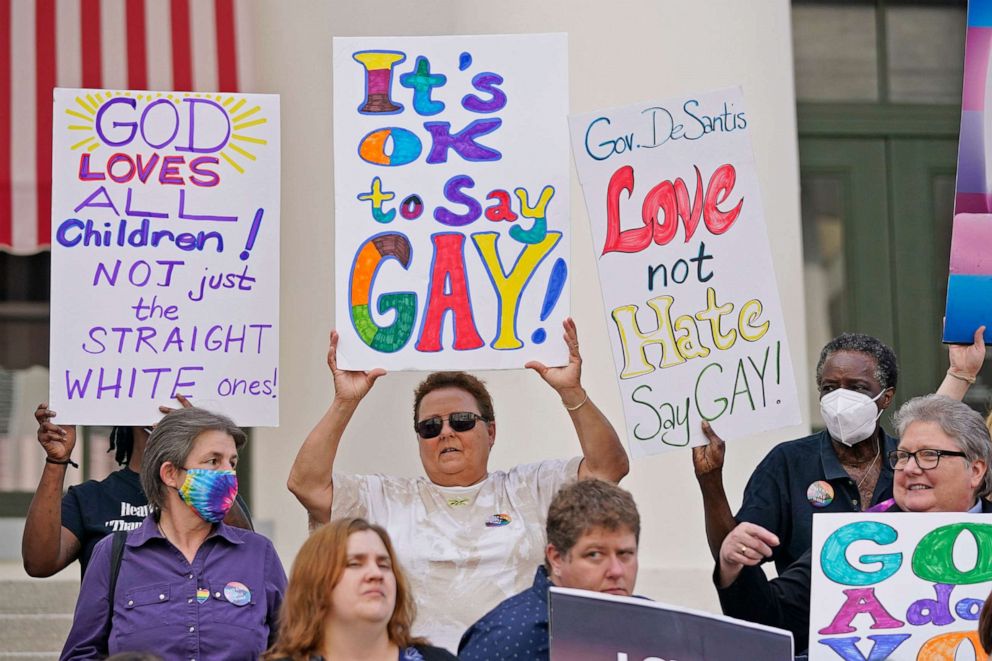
{"x":222,"y":606}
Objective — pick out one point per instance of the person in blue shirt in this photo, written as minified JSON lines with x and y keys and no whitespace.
{"x":592,"y":533}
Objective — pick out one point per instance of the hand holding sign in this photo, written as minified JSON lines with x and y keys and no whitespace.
{"x":349,"y":385}
{"x":567,"y":380}
{"x":57,"y":440}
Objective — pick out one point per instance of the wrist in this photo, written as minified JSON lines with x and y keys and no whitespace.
{"x":66,"y":462}
{"x":573,"y":398}
{"x":711,"y":479}
{"x":727,"y":573}
{"x":961,"y":375}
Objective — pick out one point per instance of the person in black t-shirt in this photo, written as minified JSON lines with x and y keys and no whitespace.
{"x":55,"y":535}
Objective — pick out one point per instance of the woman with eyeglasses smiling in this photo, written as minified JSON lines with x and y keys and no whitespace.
{"x":469,"y":537}
{"x":941,"y":465}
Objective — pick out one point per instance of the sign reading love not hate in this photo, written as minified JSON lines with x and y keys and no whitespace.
{"x":685,"y":269}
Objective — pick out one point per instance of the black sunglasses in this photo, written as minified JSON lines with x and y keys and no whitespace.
{"x":459,"y":421}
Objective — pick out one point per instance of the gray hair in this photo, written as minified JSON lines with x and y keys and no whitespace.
{"x":956,"y":419}
{"x":886,"y":366}
{"x":172,"y":440}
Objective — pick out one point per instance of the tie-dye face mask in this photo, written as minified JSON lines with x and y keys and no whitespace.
{"x":210,"y":492}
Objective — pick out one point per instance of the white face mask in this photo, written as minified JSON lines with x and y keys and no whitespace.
{"x":850,"y":416}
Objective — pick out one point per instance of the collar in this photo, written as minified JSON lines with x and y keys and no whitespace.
{"x":832,"y":469}
{"x":976,"y":508}
{"x":542,"y":583}
{"x":148,"y":530}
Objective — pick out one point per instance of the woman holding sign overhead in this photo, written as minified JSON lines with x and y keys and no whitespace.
{"x":469,"y":537}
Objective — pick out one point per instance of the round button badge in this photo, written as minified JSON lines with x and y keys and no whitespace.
{"x":237,"y":593}
{"x":820,"y":493}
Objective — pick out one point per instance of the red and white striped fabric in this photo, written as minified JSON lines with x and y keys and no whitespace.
{"x":182,"y":45}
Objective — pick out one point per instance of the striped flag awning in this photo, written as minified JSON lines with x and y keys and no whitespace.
{"x":175,"y":45}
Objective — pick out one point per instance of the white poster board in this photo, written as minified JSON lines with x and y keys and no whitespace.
{"x":451,"y":201}
{"x":687,"y":278}
{"x":899,"y":586}
{"x":165,"y":255}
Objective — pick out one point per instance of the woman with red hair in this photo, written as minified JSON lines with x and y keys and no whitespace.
{"x":348,"y":599}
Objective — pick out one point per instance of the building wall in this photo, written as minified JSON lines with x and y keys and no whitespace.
{"x":619,"y":52}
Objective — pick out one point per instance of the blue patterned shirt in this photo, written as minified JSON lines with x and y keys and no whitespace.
{"x":516,"y":629}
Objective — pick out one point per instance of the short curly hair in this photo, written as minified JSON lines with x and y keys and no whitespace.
{"x":886,"y":365}
{"x":460,"y":380}
{"x":586,"y":504}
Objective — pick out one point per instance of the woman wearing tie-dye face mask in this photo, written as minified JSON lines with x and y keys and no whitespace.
{"x":188,"y":585}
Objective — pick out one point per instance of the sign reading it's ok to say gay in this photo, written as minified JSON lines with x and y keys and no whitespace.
{"x":686,"y":272}
{"x":165,"y":255}
{"x":452,"y":206}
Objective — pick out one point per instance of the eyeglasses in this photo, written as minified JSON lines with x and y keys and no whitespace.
{"x":459,"y":421}
{"x":926,"y":459}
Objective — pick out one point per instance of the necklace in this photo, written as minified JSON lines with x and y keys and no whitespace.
{"x":864,"y":477}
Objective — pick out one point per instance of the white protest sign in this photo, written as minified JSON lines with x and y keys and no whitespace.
{"x":685,"y":269}
{"x":165,"y":255}
{"x":899,"y":586}
{"x":451,"y":201}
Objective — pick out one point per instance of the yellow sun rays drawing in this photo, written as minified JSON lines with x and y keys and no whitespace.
{"x":83,"y":116}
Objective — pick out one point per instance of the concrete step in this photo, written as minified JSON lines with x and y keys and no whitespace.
{"x":41,"y":635}
{"x":51,"y":596}
{"x":35,"y":616}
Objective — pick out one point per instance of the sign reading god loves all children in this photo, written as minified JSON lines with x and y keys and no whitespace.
{"x":451,"y":201}
{"x":899,"y":586}
{"x":686,"y":274}
{"x":165,"y":255}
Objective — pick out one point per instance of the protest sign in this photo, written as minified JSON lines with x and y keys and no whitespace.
{"x":684,"y":265}
{"x":165,"y":255}
{"x":451,"y":201}
{"x":593,"y":626}
{"x":899,"y":586}
{"x":969,"y":285}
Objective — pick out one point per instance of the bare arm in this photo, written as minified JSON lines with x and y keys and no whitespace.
{"x":707,"y":460}
{"x":966,"y":362}
{"x":310,"y":478}
{"x":46,"y":546}
{"x":603,"y":455}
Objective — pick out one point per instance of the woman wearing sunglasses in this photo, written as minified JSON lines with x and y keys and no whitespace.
{"x":941,"y":465}
{"x":468,"y":537}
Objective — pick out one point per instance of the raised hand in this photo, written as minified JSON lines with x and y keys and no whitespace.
{"x":707,"y":459}
{"x":58,"y":441}
{"x":186,"y":404}
{"x":967,"y":359}
{"x":566,"y":380}
{"x":349,"y":386}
